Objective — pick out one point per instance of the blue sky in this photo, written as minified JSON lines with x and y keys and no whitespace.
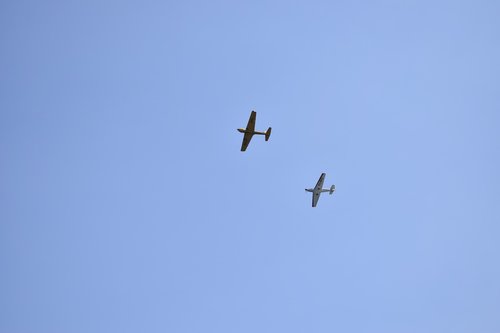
{"x":126,"y":205}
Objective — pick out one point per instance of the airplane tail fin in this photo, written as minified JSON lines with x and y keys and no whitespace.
{"x":268,"y":133}
{"x":332,"y":189}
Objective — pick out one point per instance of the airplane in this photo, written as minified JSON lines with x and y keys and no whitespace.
{"x":318,"y":189}
{"x":250,"y":131}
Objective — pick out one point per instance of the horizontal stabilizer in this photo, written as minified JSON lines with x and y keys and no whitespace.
{"x":268,"y":133}
{"x":332,"y":189}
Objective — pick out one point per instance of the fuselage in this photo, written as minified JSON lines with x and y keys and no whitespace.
{"x":242,"y":130}
{"x":317,"y":191}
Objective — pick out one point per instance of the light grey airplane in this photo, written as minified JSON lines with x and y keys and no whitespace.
{"x":250,"y":131}
{"x":318,"y":189}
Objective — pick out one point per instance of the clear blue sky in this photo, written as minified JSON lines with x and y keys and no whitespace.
{"x":126,"y":205}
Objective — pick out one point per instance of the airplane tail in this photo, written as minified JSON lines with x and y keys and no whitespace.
{"x":332,"y":189}
{"x":268,"y":133}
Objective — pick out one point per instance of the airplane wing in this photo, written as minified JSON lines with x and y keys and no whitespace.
{"x":246,"y":140}
{"x":249,"y":131}
{"x":319,"y":184}
{"x":251,"y":122}
{"x":315,"y":198}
